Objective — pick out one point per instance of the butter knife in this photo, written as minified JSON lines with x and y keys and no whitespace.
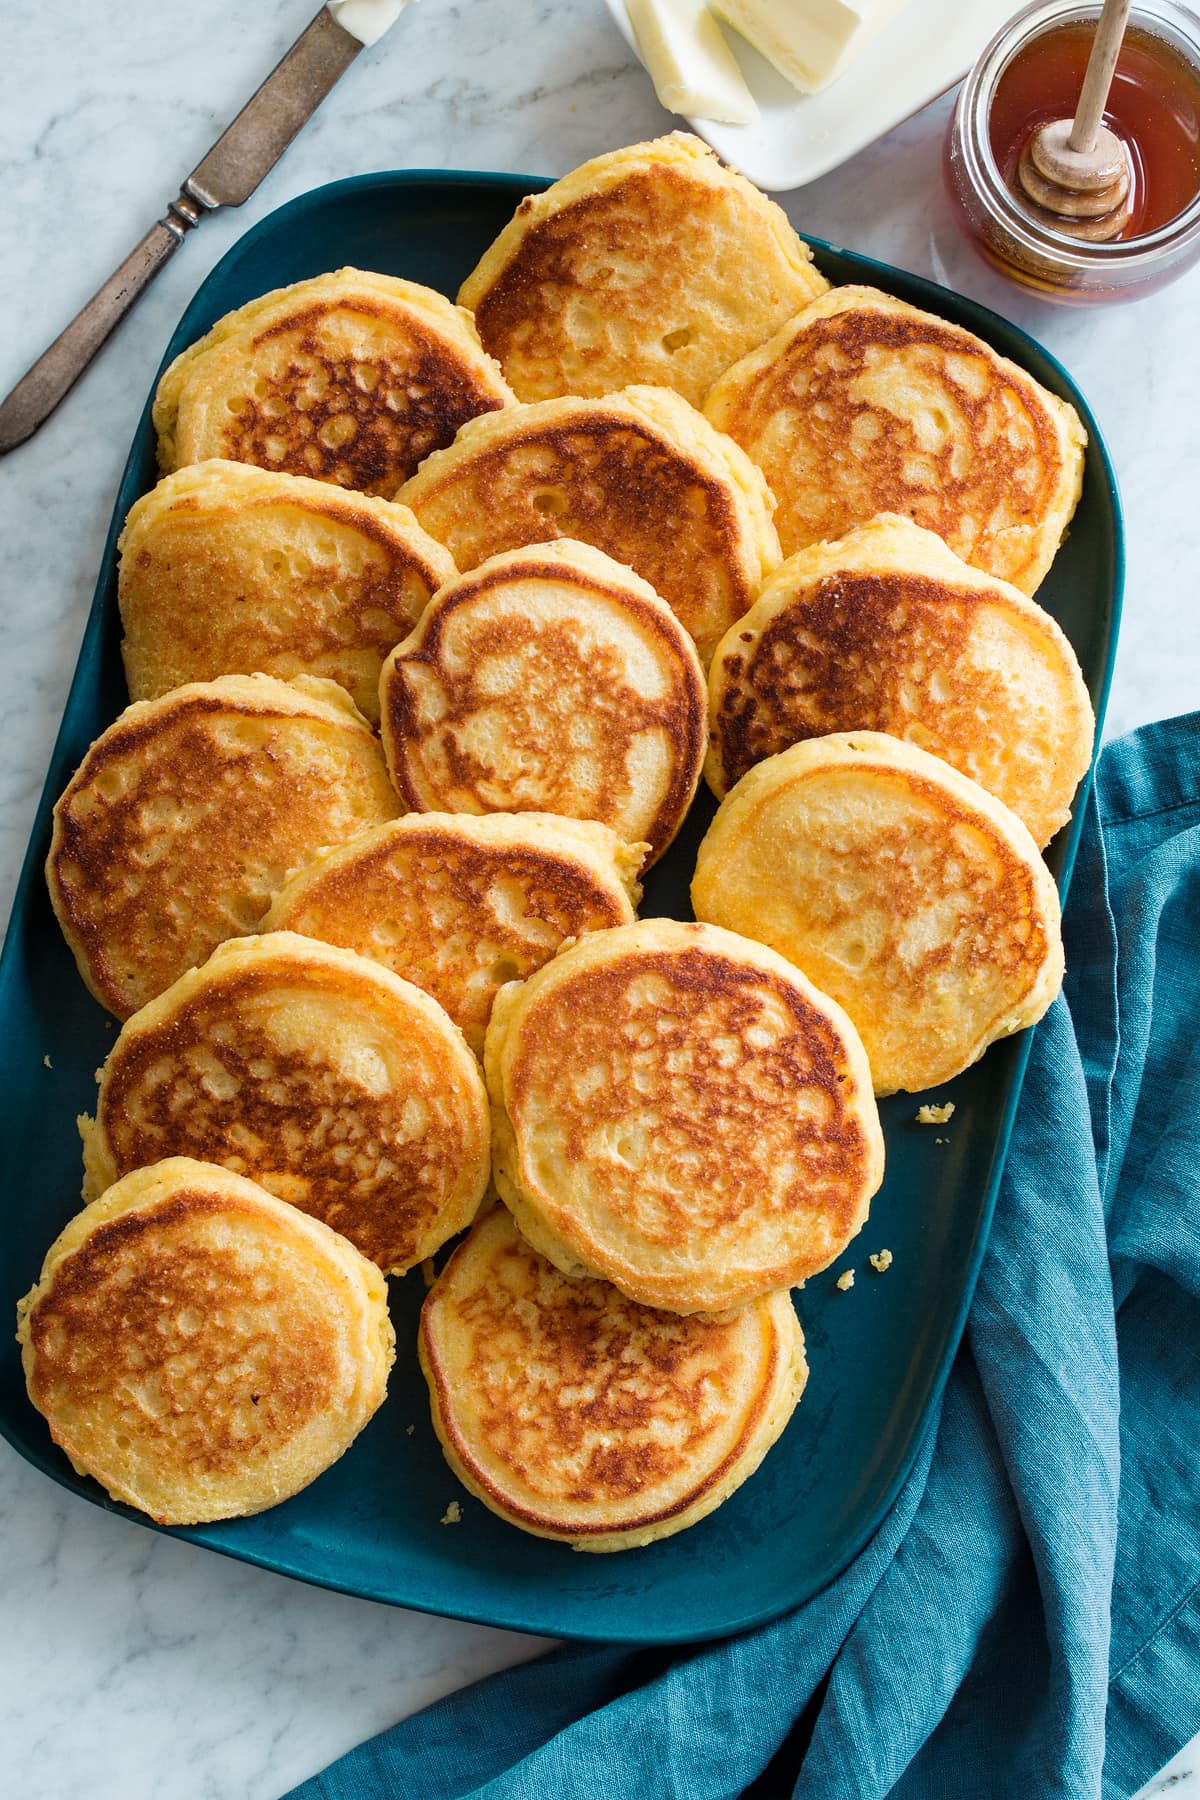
{"x":227,"y":176}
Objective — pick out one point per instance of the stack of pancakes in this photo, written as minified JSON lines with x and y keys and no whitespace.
{"x":432,"y":626}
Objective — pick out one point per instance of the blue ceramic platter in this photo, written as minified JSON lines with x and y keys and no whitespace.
{"x":879,"y":1354}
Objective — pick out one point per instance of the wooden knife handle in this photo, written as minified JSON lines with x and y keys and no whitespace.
{"x":57,"y":370}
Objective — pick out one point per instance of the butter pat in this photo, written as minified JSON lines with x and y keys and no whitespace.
{"x":689,"y":62}
{"x":810,"y":42}
{"x":367,"y":20}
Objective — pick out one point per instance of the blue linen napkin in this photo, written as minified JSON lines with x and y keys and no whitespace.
{"x":1026,"y":1621}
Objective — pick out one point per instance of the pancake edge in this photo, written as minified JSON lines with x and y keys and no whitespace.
{"x":766,"y":1418}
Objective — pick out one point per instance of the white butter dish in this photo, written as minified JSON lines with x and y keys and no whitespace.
{"x":798,"y":137}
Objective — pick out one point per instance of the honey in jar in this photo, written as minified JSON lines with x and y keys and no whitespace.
{"x":1031,"y":74}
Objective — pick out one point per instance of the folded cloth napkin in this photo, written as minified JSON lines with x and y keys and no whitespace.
{"x":1026,"y":1621}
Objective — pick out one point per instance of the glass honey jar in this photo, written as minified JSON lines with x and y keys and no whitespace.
{"x":1031,"y":73}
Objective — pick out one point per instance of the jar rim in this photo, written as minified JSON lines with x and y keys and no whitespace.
{"x":1177,"y":25}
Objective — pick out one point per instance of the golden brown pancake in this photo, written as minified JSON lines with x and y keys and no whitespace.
{"x":460,"y":904}
{"x":653,"y":263}
{"x":900,"y":887}
{"x":227,"y":570}
{"x":887,"y":630}
{"x":862,"y":404}
{"x":315,"y":1072}
{"x":190,"y":812}
{"x":200,"y":1348}
{"x":548,"y":680}
{"x":641,"y":475}
{"x":350,"y":378}
{"x":679,"y":1110}
{"x":577,"y":1414}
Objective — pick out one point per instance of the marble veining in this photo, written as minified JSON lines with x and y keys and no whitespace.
{"x":132,"y":1663}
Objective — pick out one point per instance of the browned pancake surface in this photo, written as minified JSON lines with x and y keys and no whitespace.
{"x":632,"y":474}
{"x":318,"y":1075}
{"x":900,"y":887}
{"x":550,"y":682}
{"x":199,"y":1348}
{"x":187,"y":815}
{"x":652,"y":263}
{"x":679,"y":1111}
{"x":227,"y":569}
{"x":146,"y":1299}
{"x":864,"y":405}
{"x":577,"y":1413}
{"x":458,"y":904}
{"x":349,"y":378}
{"x":314,"y":415}
{"x":886,"y":630}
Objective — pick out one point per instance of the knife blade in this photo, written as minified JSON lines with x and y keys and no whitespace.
{"x":273,"y":116}
{"x":226,"y":176}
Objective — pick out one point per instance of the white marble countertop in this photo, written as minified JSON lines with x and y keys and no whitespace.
{"x":132,"y":1664}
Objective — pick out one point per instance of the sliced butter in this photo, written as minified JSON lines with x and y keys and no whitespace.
{"x":367,"y":20}
{"x":689,"y":62}
{"x":810,"y":42}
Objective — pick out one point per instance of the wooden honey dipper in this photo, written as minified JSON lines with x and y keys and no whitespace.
{"x":1074,"y":173}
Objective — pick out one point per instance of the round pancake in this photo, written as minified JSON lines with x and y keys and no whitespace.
{"x":315,"y":1072}
{"x":227,"y":570}
{"x":680,"y":1111}
{"x":900,"y":887}
{"x":200,"y":1348}
{"x":190,"y":812}
{"x":652,"y":263}
{"x":863,"y":404}
{"x":551,"y":679}
{"x":640,"y":475}
{"x":459,"y":904}
{"x":577,"y":1414}
{"x":350,"y":378}
{"x":887,"y":630}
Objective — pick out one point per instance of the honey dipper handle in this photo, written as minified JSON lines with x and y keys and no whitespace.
{"x":1106,"y":47}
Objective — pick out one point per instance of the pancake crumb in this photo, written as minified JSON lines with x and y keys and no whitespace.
{"x":935,"y":1115}
{"x":408,"y":1430}
{"x":452,"y":1514}
{"x":845,"y":1280}
{"x":46,"y":1063}
{"x":880,"y":1261}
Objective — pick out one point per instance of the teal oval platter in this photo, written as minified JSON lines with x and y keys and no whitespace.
{"x":879,"y":1354}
